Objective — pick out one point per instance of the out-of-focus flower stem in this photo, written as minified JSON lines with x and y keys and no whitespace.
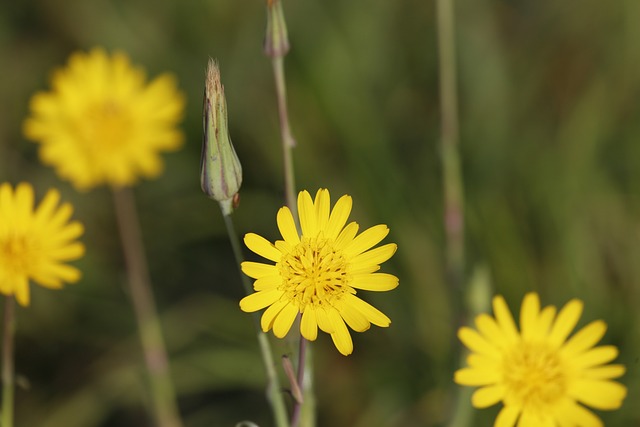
{"x":163,"y":395}
{"x":274,"y":391}
{"x":452,"y":180}
{"x":452,"y":171}
{"x":7,"y":362}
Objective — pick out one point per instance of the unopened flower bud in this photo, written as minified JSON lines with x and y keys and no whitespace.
{"x":220,"y":169}
{"x":276,"y":42}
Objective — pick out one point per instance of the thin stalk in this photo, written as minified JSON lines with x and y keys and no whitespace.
{"x":274,"y":391}
{"x":452,"y":182}
{"x":452,"y":171}
{"x":7,"y":363}
{"x":163,"y":395}
{"x":276,"y":48}
{"x":285,"y":131}
{"x":297,"y":409}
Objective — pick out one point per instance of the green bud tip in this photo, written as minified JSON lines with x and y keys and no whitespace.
{"x":276,"y":42}
{"x":220,"y":169}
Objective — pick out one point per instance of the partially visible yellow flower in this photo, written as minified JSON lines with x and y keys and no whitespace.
{"x":102,"y":123}
{"x":543,"y":377}
{"x":317,"y":273}
{"x":36,"y":242}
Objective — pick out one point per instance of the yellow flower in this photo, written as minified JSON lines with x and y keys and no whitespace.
{"x":541,"y":377}
{"x":317,"y":274}
{"x":102,"y":124}
{"x":35,"y":243}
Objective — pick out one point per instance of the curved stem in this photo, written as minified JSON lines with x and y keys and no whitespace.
{"x":164,"y":400}
{"x":274,"y":391}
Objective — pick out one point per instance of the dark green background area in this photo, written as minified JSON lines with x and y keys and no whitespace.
{"x":550,"y":137}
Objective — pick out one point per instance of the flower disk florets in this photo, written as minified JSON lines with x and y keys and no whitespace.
{"x":317,"y":273}
{"x":314,"y":272}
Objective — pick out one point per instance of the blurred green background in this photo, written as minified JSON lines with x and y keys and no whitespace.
{"x":550,"y":137}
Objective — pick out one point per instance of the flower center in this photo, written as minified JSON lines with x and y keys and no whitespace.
{"x":314,"y":272}
{"x":534,"y":376}
{"x":16,"y":254}
{"x":106,"y":125}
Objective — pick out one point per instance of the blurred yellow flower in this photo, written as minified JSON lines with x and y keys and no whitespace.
{"x":317,"y":273}
{"x":35,"y":243}
{"x":102,"y":124}
{"x":541,"y":377}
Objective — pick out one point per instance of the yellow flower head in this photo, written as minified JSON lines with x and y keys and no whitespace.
{"x":541,"y":377}
{"x":317,"y":273}
{"x":36,"y":243}
{"x":102,"y":124}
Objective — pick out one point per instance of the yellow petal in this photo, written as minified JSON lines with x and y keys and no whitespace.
{"x":324,"y":322}
{"x":47,"y":206}
{"x":490,"y":330}
{"x":307,"y":215}
{"x":284,"y":320}
{"x":604,"y":372}
{"x":356,"y":320}
{"x":341,"y":337}
{"x":565,"y":322}
{"x":375,"y":256}
{"x":346,"y":235}
{"x":257,"y":270}
{"x":505,"y":319}
{"x":259,"y":300}
{"x":267,"y":282}
{"x":322,"y":205}
{"x":287,"y":226}
{"x":585,"y":338}
{"x":529,"y":315}
{"x":594,"y":357}
{"x":270,"y":314}
{"x":598,"y":394}
{"x":21,"y":291}
{"x":309,"y":324}
{"x":476,"y":360}
{"x":378,"y":282}
{"x":366,"y":240}
{"x":68,"y":252}
{"x":372,"y":314}
{"x":544,"y":322}
{"x":487,"y":396}
{"x":577,"y":415}
{"x":262,"y":247}
{"x":476,"y":377}
{"x":477,"y":343}
{"x":339,"y":216}
{"x":508,"y":416}
{"x":52,"y":275}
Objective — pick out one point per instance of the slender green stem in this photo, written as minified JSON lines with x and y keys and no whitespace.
{"x":452,"y":173}
{"x":164,"y":400}
{"x":274,"y":391}
{"x":452,"y":182}
{"x":7,"y":363}
{"x":287,"y":139}
{"x":297,"y":409}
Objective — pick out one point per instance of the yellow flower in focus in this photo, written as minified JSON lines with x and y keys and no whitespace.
{"x":36,"y":243}
{"x":541,"y":375}
{"x":317,"y":273}
{"x":102,"y":124}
